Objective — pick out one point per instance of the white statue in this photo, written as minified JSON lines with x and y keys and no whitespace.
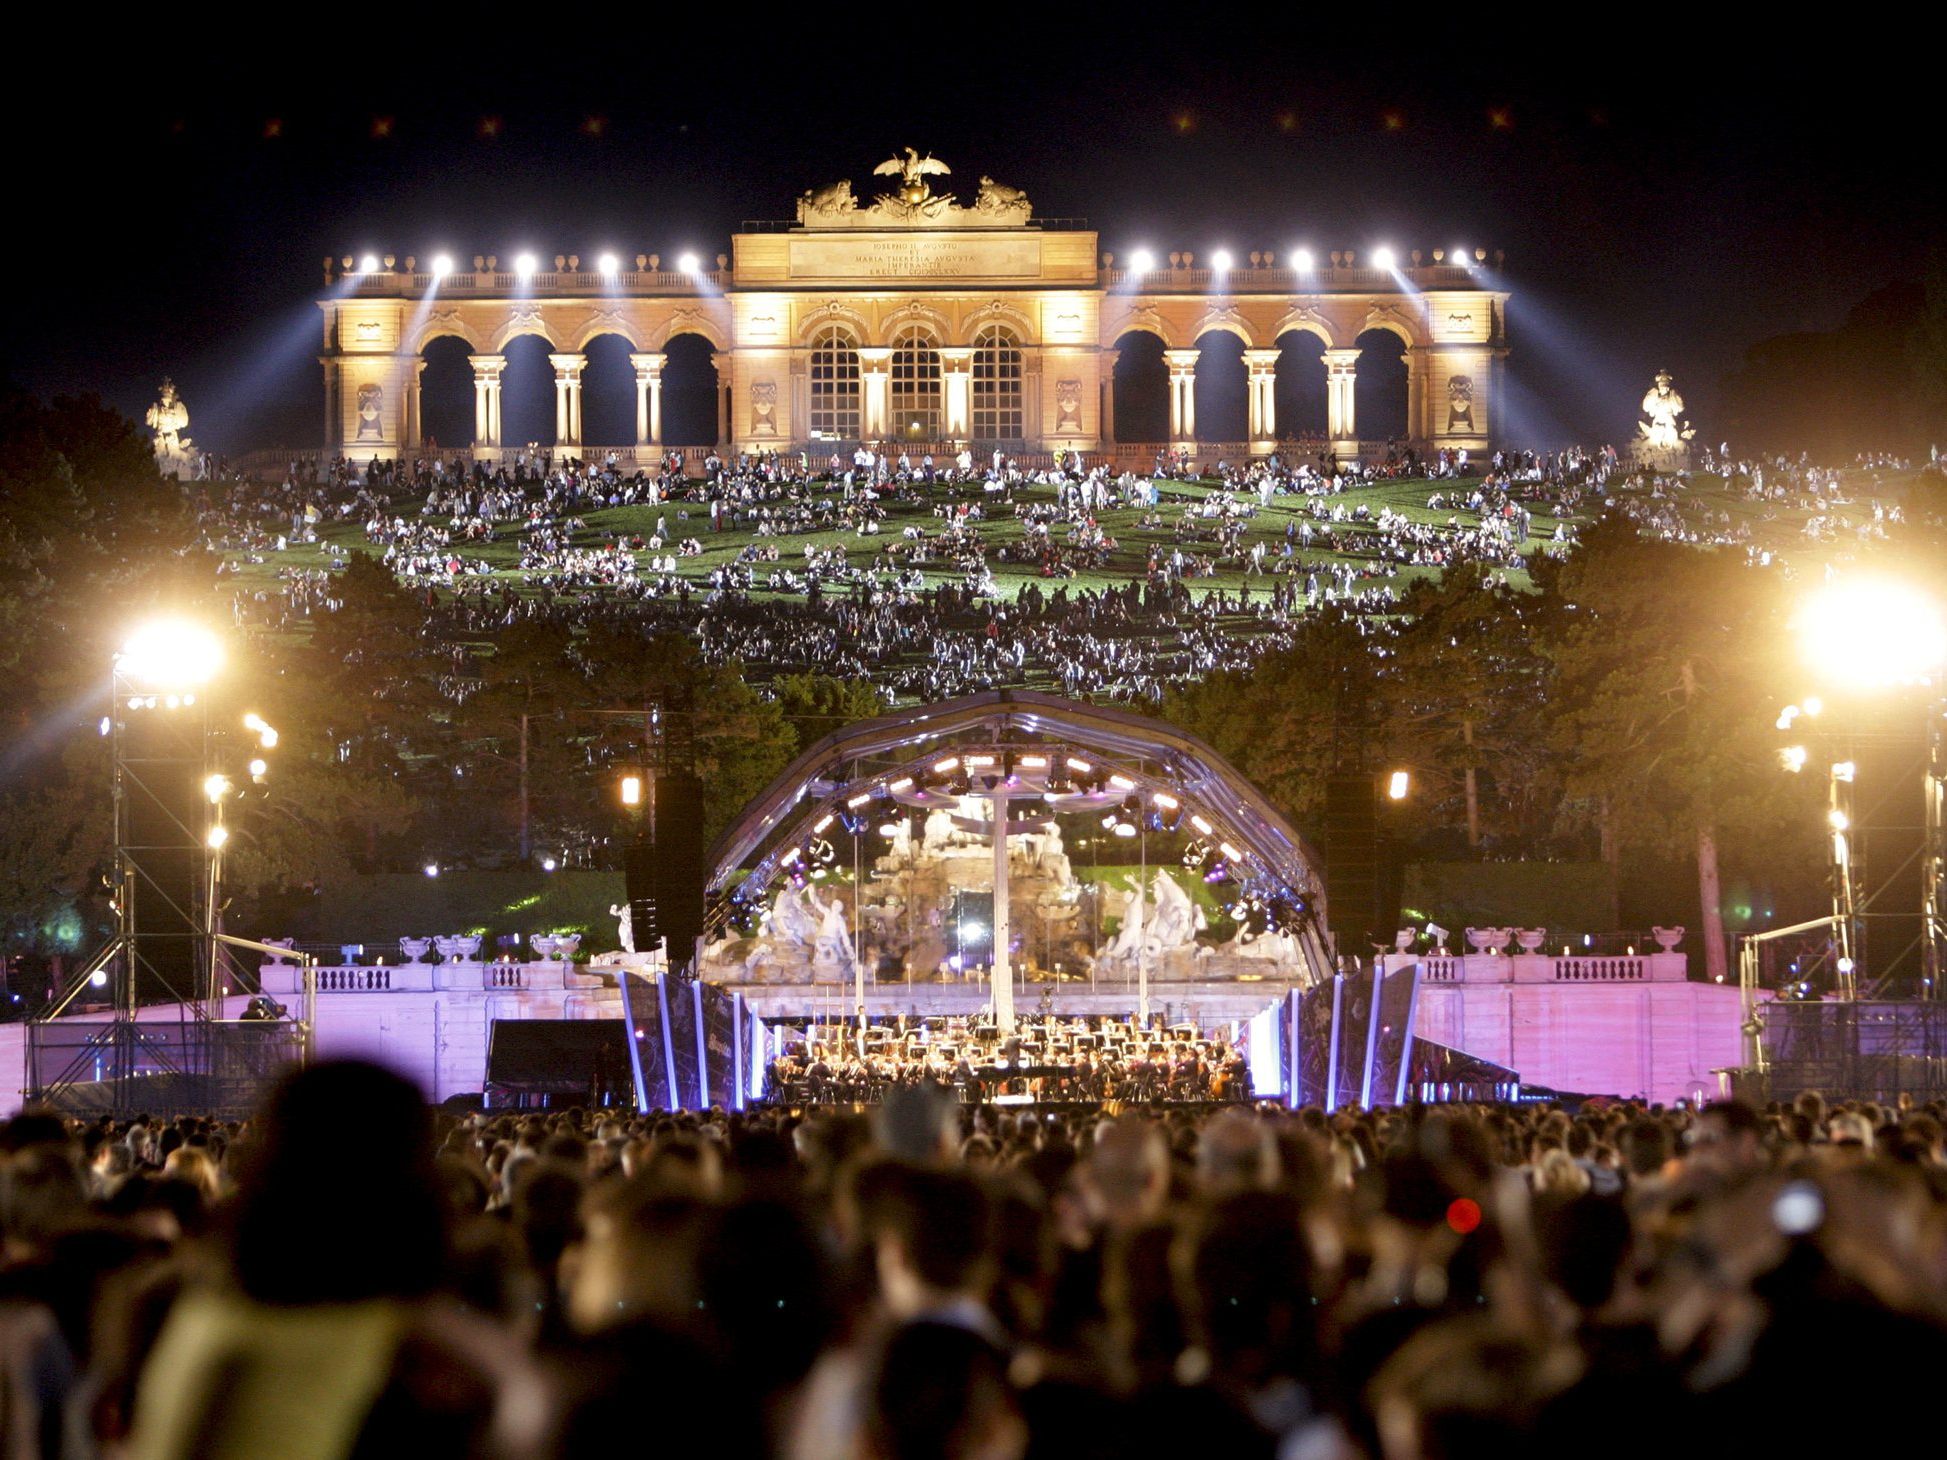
{"x":791,"y":924}
{"x":834,"y":945}
{"x":939,"y":831}
{"x":175,"y":454}
{"x":1129,"y":937}
{"x":624,"y":925}
{"x":1662,"y":440}
{"x":899,"y":845}
{"x":1177,"y":920}
{"x":1051,"y":860}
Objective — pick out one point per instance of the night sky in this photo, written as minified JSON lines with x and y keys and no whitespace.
{"x":1666,"y":193}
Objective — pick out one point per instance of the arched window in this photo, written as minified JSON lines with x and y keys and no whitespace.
{"x":997,"y":413}
{"x":834,"y":386}
{"x":916,"y":387}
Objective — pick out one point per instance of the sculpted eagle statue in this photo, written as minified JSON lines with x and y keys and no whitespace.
{"x":912,"y":172}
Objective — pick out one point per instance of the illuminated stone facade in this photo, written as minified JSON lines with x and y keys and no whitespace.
{"x":914,"y":319}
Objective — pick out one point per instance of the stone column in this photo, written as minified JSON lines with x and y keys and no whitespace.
{"x":567,"y":398}
{"x":956,"y":378}
{"x":1107,"y":368}
{"x":726,"y":382}
{"x":648,"y":398}
{"x":415,"y":424}
{"x":875,"y":382}
{"x":486,"y":398}
{"x":1418,"y":367}
{"x":1261,"y":377}
{"x":1340,"y":374}
{"x":1183,"y":395}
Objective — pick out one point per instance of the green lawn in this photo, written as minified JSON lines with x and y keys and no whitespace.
{"x":1774,"y":526}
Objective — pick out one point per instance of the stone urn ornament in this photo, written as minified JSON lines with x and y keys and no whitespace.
{"x":1667,"y":938}
{"x":567,"y":946}
{"x":543,"y":944}
{"x":1403,"y":940}
{"x":445,"y":945}
{"x":468,"y":945}
{"x":414,"y":949}
{"x":1489,"y":940}
{"x":1531,"y":939}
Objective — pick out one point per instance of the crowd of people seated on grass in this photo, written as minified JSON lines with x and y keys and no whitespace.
{"x":925,"y":555}
{"x":349,"y":1274}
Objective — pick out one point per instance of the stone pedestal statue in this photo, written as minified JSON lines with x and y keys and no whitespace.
{"x":1662,"y":442}
{"x":175,"y":454}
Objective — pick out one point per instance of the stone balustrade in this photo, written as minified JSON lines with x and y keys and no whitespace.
{"x":460,"y":975}
{"x":1488,"y":968}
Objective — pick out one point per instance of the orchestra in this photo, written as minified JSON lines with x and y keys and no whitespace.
{"x":1076,"y":1060}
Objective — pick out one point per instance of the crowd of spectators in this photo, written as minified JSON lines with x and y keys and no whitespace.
{"x":351,"y":1274}
{"x":1209,"y":579}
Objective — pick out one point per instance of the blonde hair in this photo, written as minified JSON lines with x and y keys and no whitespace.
{"x":194,"y":1165}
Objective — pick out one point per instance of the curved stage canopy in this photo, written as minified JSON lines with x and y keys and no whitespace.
{"x":1015,"y":747}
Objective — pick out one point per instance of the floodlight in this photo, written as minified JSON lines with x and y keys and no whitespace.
{"x":218,"y":835}
{"x":259,"y":766}
{"x":171,"y":654}
{"x":1383,"y":258}
{"x":1397,"y":785}
{"x":524,"y":266}
{"x":1459,"y":256}
{"x":1813,"y":704}
{"x":608,"y":264}
{"x":548,"y":864}
{"x":1301,"y":259}
{"x":632,"y":790}
{"x":432,"y":869}
{"x":369,"y":264}
{"x":99,"y":978}
{"x":1873,"y":633}
{"x":1838,"y":820}
{"x":216,"y":788}
{"x":1792,"y":758}
{"x":1141,"y":261}
{"x":1125,"y":828}
{"x":442,"y":265}
{"x":1220,"y":260}
{"x":1200,"y":824}
{"x":688,"y":263}
{"x":253,"y":721}
{"x":267,"y":738}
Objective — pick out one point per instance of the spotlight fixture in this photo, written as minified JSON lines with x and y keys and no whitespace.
{"x":1302,"y":260}
{"x":608,"y":266}
{"x":524,"y":266}
{"x":369,"y":264}
{"x":1384,"y":258}
{"x":689,"y":264}
{"x":1220,"y":261}
{"x":1141,"y":261}
{"x":442,"y":265}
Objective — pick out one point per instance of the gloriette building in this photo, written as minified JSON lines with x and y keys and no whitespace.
{"x":919,"y":317}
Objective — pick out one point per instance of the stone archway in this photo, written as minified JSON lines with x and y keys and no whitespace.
{"x":1140,"y":395}
{"x":1300,"y":386}
{"x":1379,"y":390}
{"x":446,"y":393}
{"x":527,"y":393}
{"x":690,"y":392}
{"x":608,"y":392}
{"x":1222,"y":409}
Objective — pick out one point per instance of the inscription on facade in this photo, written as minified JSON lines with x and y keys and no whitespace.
{"x":920,"y":257}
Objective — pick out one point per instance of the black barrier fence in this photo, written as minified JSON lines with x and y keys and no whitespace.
{"x":90,"y":1067}
{"x":1871,"y":1049}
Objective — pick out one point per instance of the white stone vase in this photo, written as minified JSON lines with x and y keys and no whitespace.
{"x":414,"y":949}
{"x":1667,"y":938}
{"x":1531,"y":939}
